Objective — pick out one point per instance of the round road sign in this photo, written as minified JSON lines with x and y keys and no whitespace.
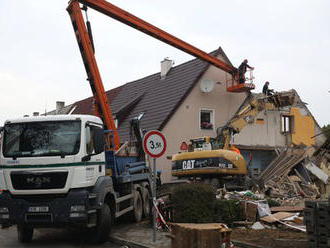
{"x":154,"y":144}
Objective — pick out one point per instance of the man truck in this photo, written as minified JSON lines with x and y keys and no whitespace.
{"x":57,"y":171}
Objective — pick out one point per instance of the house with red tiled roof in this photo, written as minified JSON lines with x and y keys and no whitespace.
{"x":175,"y":102}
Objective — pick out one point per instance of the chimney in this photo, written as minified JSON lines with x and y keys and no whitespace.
{"x":165,"y":67}
{"x":35,"y":113}
{"x":59,"y":106}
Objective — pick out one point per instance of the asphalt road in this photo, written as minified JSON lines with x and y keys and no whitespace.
{"x":49,"y":238}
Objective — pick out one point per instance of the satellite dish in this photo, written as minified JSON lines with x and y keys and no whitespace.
{"x":207,"y":85}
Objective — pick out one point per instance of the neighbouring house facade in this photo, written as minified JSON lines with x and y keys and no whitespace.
{"x":174,"y":102}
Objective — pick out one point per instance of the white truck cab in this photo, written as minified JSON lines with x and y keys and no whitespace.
{"x":46,"y":155}
{"x":53,"y":174}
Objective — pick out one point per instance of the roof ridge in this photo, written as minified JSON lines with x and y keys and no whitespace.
{"x":217,"y":51}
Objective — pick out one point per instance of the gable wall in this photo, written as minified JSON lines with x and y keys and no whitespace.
{"x":184,"y":124}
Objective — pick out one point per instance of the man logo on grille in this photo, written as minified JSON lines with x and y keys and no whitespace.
{"x":38,"y":180}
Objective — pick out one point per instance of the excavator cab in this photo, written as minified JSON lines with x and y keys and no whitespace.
{"x":202,"y":144}
{"x":234,"y":86}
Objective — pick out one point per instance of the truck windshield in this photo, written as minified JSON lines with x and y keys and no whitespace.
{"x":34,"y":139}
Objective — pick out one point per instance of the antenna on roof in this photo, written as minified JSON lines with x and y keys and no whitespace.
{"x":45,"y":107}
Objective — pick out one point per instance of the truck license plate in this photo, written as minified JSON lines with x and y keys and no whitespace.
{"x":38,"y":209}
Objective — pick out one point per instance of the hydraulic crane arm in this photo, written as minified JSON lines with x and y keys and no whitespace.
{"x":149,"y":29}
{"x":102,"y":106}
{"x":85,"y":43}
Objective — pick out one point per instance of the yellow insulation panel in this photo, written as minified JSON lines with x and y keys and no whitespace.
{"x":304,"y":128}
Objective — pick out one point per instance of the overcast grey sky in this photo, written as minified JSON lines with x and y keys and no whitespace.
{"x":287,"y":41}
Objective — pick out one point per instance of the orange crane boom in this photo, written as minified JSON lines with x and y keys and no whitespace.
{"x":86,"y":48}
{"x":102,"y":106}
{"x":145,"y":27}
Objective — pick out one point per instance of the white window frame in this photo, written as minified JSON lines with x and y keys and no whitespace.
{"x":115,"y":120}
{"x":212,"y":119}
{"x":287,"y":126}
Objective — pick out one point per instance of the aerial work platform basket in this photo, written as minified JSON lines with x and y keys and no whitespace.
{"x":233,"y":85}
{"x":237,"y":88}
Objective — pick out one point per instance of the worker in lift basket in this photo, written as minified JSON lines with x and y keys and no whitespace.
{"x":242,"y":70}
{"x":266,"y":90}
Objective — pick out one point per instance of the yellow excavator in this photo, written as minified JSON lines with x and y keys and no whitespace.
{"x":215,"y":160}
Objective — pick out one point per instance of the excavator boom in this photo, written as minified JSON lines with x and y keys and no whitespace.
{"x":250,"y":110}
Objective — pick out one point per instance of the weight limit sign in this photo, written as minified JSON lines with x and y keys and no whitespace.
{"x":154,"y":144}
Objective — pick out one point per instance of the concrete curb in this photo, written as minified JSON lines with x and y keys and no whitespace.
{"x":246,"y":245}
{"x":129,"y":243}
{"x":133,"y":244}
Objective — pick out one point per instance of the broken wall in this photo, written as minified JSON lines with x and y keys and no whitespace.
{"x":267,"y":131}
{"x":304,"y":127}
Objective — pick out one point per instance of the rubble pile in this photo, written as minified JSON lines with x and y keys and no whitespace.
{"x":277,"y":199}
{"x":257,"y":213}
{"x":292,"y":176}
{"x":290,"y":179}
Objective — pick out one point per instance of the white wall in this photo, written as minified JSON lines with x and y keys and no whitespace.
{"x":185,"y":124}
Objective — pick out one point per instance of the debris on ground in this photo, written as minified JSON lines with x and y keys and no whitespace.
{"x":270,"y":238}
{"x":288,"y":178}
{"x":273,"y":209}
{"x":257,"y":226}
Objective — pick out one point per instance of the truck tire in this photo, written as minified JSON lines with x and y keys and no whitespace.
{"x":100,"y":233}
{"x":207,"y":181}
{"x":24,"y":233}
{"x":146,"y":203}
{"x":215,"y":183}
{"x":138,"y":207}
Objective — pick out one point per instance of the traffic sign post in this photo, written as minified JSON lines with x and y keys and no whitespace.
{"x":154,"y":144}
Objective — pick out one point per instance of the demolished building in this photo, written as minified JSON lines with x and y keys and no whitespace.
{"x":175,"y":102}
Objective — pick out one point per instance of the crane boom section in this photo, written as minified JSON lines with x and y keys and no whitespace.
{"x":102,"y":105}
{"x":149,"y":29}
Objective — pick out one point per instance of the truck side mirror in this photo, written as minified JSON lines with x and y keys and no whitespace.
{"x":98,"y":140}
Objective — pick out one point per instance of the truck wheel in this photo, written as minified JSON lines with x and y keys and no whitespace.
{"x":207,"y":181}
{"x":215,"y":183}
{"x":100,"y":233}
{"x":146,"y":203}
{"x":24,"y":233}
{"x":138,"y":207}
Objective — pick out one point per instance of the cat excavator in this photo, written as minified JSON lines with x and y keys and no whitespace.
{"x":216,"y":160}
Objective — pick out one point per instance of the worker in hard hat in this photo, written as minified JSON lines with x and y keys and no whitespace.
{"x":242,"y":70}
